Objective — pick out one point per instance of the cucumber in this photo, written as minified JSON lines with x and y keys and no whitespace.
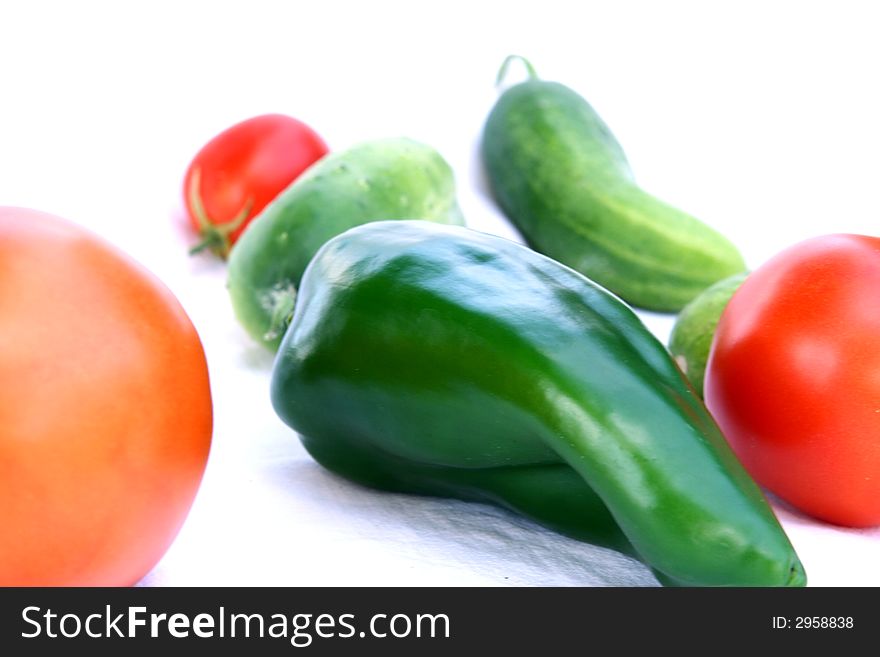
{"x":377,"y":180}
{"x":561,"y":177}
{"x":691,"y":337}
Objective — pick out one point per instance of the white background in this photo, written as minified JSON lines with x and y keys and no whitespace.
{"x":762,"y":119}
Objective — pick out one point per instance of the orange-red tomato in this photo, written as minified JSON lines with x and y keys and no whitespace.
{"x":105,"y":408}
{"x":793,"y":377}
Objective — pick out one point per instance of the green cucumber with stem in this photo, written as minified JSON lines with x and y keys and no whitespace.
{"x":561,"y":177}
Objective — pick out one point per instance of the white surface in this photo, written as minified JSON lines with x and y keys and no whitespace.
{"x":760,"y":119}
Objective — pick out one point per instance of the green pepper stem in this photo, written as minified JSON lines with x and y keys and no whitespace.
{"x":502,"y":72}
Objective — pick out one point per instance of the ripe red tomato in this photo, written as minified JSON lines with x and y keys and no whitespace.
{"x":793,"y":377}
{"x":105,"y":408}
{"x":236,"y":174}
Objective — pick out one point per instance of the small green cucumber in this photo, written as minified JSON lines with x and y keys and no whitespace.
{"x":691,"y":337}
{"x":561,"y":177}
{"x":377,"y":180}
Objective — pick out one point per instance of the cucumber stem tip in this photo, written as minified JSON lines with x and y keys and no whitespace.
{"x":502,"y":72}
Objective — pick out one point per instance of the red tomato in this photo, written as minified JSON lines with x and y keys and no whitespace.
{"x":241,"y":170}
{"x":793,"y":377}
{"x":105,"y":408}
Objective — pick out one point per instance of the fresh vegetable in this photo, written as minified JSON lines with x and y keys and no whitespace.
{"x":236,"y":174}
{"x":438,"y":360}
{"x":793,"y":381}
{"x":560,"y":176}
{"x":694,"y":328}
{"x":105,"y":409}
{"x":383,"y":179}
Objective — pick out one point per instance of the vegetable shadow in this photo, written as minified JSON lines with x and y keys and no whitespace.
{"x":479,"y":540}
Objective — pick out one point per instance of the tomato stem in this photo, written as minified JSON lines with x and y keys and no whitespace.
{"x":212,"y":241}
{"x":215,"y":237}
{"x":502,"y":72}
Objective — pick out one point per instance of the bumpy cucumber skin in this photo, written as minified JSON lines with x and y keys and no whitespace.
{"x":377,"y":180}
{"x":691,"y":337}
{"x":559,"y":174}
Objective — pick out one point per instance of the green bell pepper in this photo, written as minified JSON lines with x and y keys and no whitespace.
{"x":437,"y":360}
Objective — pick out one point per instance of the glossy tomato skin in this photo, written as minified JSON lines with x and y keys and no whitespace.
{"x":793,"y":377}
{"x":105,"y":409}
{"x":236,"y":174}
